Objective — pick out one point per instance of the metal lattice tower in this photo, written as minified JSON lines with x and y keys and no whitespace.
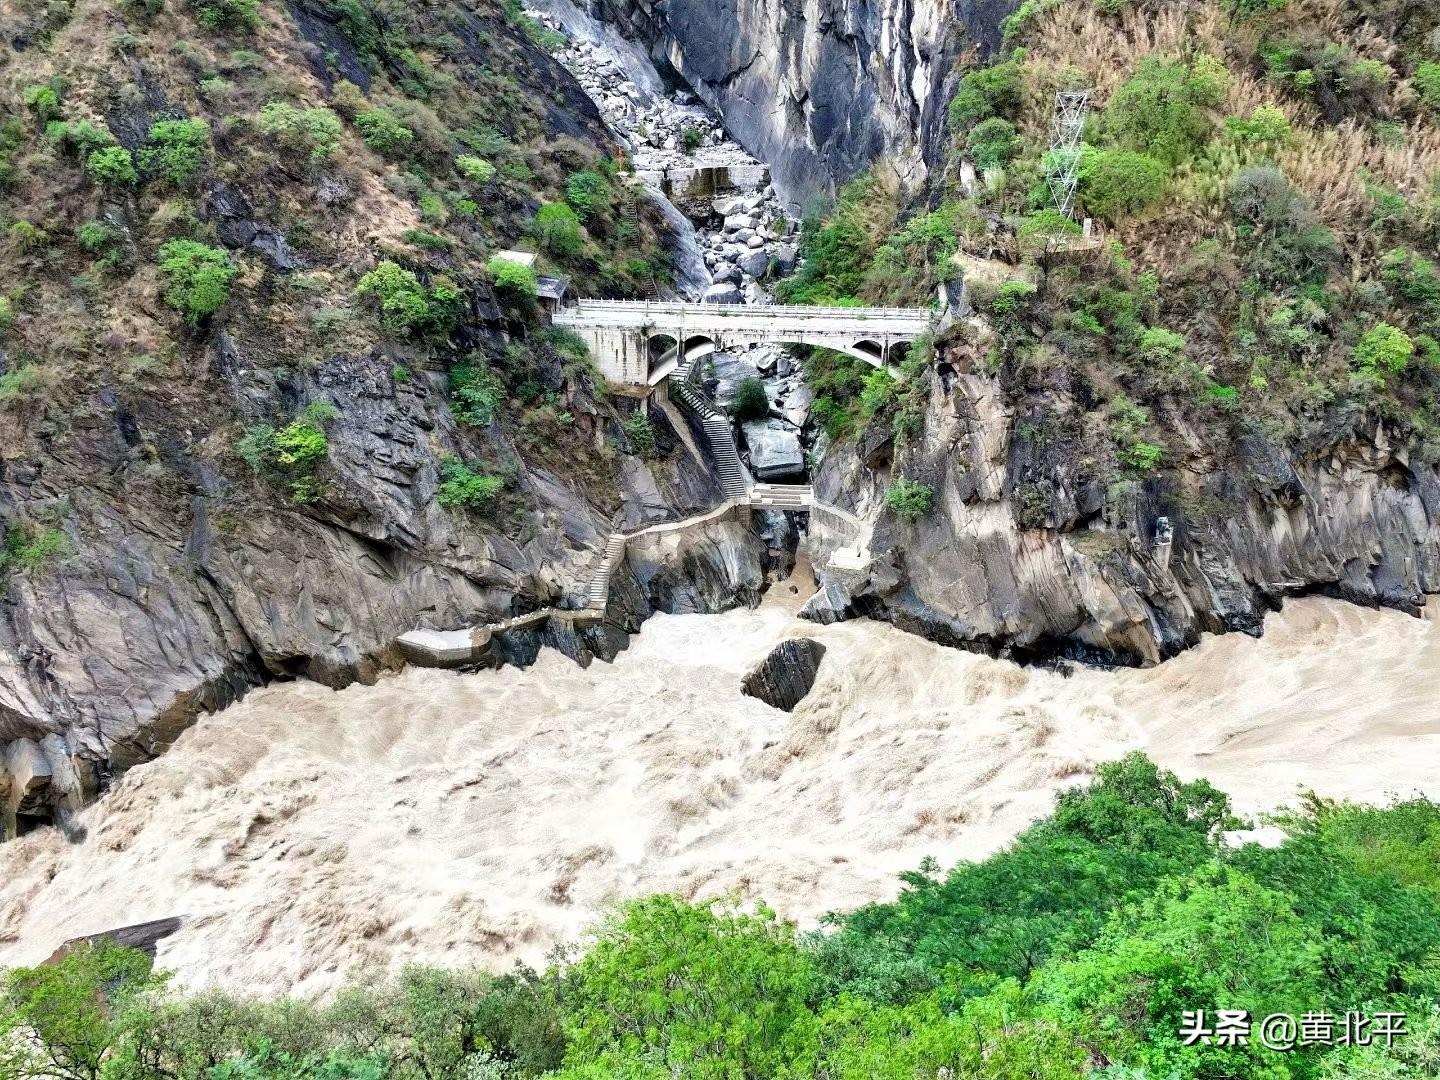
{"x":1063,"y":161}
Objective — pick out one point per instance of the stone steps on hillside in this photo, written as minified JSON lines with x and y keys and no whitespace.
{"x":599,"y":589}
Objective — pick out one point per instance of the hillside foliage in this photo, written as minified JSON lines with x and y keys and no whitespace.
{"x":1263,"y":179}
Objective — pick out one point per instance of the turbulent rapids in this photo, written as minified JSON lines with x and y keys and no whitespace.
{"x":307,"y":833}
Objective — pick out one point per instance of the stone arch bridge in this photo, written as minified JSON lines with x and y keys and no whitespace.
{"x":639,"y":342}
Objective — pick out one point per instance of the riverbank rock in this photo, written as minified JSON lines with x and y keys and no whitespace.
{"x":775,"y":450}
{"x":784,"y":677}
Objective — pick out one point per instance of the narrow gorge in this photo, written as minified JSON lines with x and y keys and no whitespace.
{"x":818,"y":439}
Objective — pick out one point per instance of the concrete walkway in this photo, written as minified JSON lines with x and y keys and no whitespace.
{"x":456,"y":648}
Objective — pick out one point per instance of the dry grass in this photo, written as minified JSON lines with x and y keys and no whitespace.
{"x":1107,"y":49}
{"x":1333,"y":165}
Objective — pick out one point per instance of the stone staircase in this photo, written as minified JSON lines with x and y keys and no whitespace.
{"x":599,"y":589}
{"x":782,"y":496}
{"x":734,"y":479}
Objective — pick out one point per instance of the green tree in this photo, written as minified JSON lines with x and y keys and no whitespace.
{"x":515,"y":281}
{"x":697,"y":990}
{"x":68,"y":1020}
{"x":1216,"y":940}
{"x":1162,"y":110}
{"x":476,"y":394}
{"x":1134,"y":826}
{"x":992,"y":143}
{"x":995,"y":91}
{"x":584,"y":191}
{"x":751,"y":402}
{"x":558,"y":229}
{"x":1114,"y":184}
{"x":407,"y":307}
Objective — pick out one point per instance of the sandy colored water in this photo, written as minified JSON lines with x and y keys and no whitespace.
{"x":486,"y":817}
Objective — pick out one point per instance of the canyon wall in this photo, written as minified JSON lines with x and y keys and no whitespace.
{"x":820,"y":89}
{"x":1028,"y":552}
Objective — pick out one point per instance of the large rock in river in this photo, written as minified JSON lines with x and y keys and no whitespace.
{"x":775,"y":451}
{"x":784,"y":677}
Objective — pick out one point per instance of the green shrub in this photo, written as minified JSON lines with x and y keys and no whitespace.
{"x":1385,"y":350}
{"x":476,"y":170}
{"x":28,"y":382}
{"x":992,"y":143}
{"x":879,"y":394}
{"x":315,"y":133}
{"x":197,"y":278}
{"x":1267,"y":124}
{"x":113,"y":166}
{"x":7,"y":314}
{"x":1114,"y":184}
{"x":1427,"y":82}
{"x":994,"y":91}
{"x":476,"y":394}
{"x":104,"y":242}
{"x":462,"y":487}
{"x":406,"y":307}
{"x":1414,"y":279}
{"x":1161,"y":110}
{"x":1159,"y":345}
{"x":291,"y":455}
{"x":26,"y":236}
{"x":910,"y":498}
{"x":1010,"y":308}
{"x":558,"y":230}
{"x":514,"y":280}
{"x":1142,"y":456}
{"x":383,"y":133}
{"x":32,"y":549}
{"x":1278,"y":229}
{"x":585,"y":191}
{"x":751,"y":402}
{"x":176,"y":149}
{"x":228,"y":14}
{"x":692,"y":138}
{"x":12,"y":140}
{"x":79,"y":137}
{"x":641,"y":433}
{"x":301,"y":443}
{"x":43,"y":101}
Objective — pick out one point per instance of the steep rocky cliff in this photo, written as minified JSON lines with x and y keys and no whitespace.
{"x":229,"y":452}
{"x":820,"y":89}
{"x":1032,"y":551}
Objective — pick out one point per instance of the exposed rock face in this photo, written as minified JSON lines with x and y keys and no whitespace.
{"x":775,"y":452}
{"x":784,"y":677}
{"x":185,"y":592}
{"x":1025,"y":553}
{"x":819,"y":89}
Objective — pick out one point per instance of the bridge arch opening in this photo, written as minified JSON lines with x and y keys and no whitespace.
{"x":872,"y":350}
{"x":660,"y":351}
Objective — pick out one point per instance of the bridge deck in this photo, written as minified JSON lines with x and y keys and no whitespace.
{"x":717,"y":318}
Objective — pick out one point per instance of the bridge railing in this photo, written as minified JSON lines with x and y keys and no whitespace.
{"x":741,"y":310}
